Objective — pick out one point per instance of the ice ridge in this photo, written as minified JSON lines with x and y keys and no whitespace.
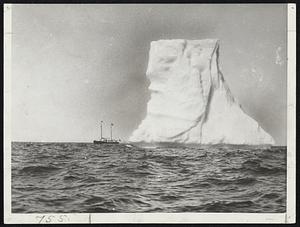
{"x":190,"y":101}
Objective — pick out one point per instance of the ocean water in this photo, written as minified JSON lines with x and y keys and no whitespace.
{"x":83,"y":177}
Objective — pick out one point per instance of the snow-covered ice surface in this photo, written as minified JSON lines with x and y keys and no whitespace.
{"x":190,"y":100}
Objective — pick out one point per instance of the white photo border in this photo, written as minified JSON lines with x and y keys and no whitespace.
{"x":67,"y":218}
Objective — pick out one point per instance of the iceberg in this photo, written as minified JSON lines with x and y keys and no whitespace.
{"x":190,"y":101}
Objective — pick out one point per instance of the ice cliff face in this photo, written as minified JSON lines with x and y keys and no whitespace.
{"x":190,"y":101}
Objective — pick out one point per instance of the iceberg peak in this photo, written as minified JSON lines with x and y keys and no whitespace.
{"x":190,"y":101}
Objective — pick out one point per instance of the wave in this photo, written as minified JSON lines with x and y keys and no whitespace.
{"x":257,"y":166}
{"x":227,"y":206}
{"x":125,"y":188}
{"x":238,"y":181}
{"x":93,"y":200}
{"x":271,"y":195}
{"x":70,"y":178}
{"x":38,"y":169}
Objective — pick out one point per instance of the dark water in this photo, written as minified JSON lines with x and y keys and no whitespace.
{"x":74,"y":177}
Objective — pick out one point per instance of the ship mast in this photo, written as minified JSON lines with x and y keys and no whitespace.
{"x":111,"y":125}
{"x":101,"y":128}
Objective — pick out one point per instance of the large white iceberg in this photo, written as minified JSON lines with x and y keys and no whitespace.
{"x":190,"y":100}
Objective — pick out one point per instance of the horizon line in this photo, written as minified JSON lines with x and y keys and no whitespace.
{"x":126,"y":141}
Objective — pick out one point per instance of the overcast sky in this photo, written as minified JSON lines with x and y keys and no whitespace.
{"x":74,"y":65}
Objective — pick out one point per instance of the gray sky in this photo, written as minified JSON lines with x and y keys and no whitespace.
{"x":74,"y":65}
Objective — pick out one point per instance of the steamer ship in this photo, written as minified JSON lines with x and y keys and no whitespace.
{"x":106,"y":140}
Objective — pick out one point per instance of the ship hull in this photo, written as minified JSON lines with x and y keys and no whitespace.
{"x":105,"y":142}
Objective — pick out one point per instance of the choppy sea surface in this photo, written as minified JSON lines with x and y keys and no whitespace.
{"x":91,"y":178}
